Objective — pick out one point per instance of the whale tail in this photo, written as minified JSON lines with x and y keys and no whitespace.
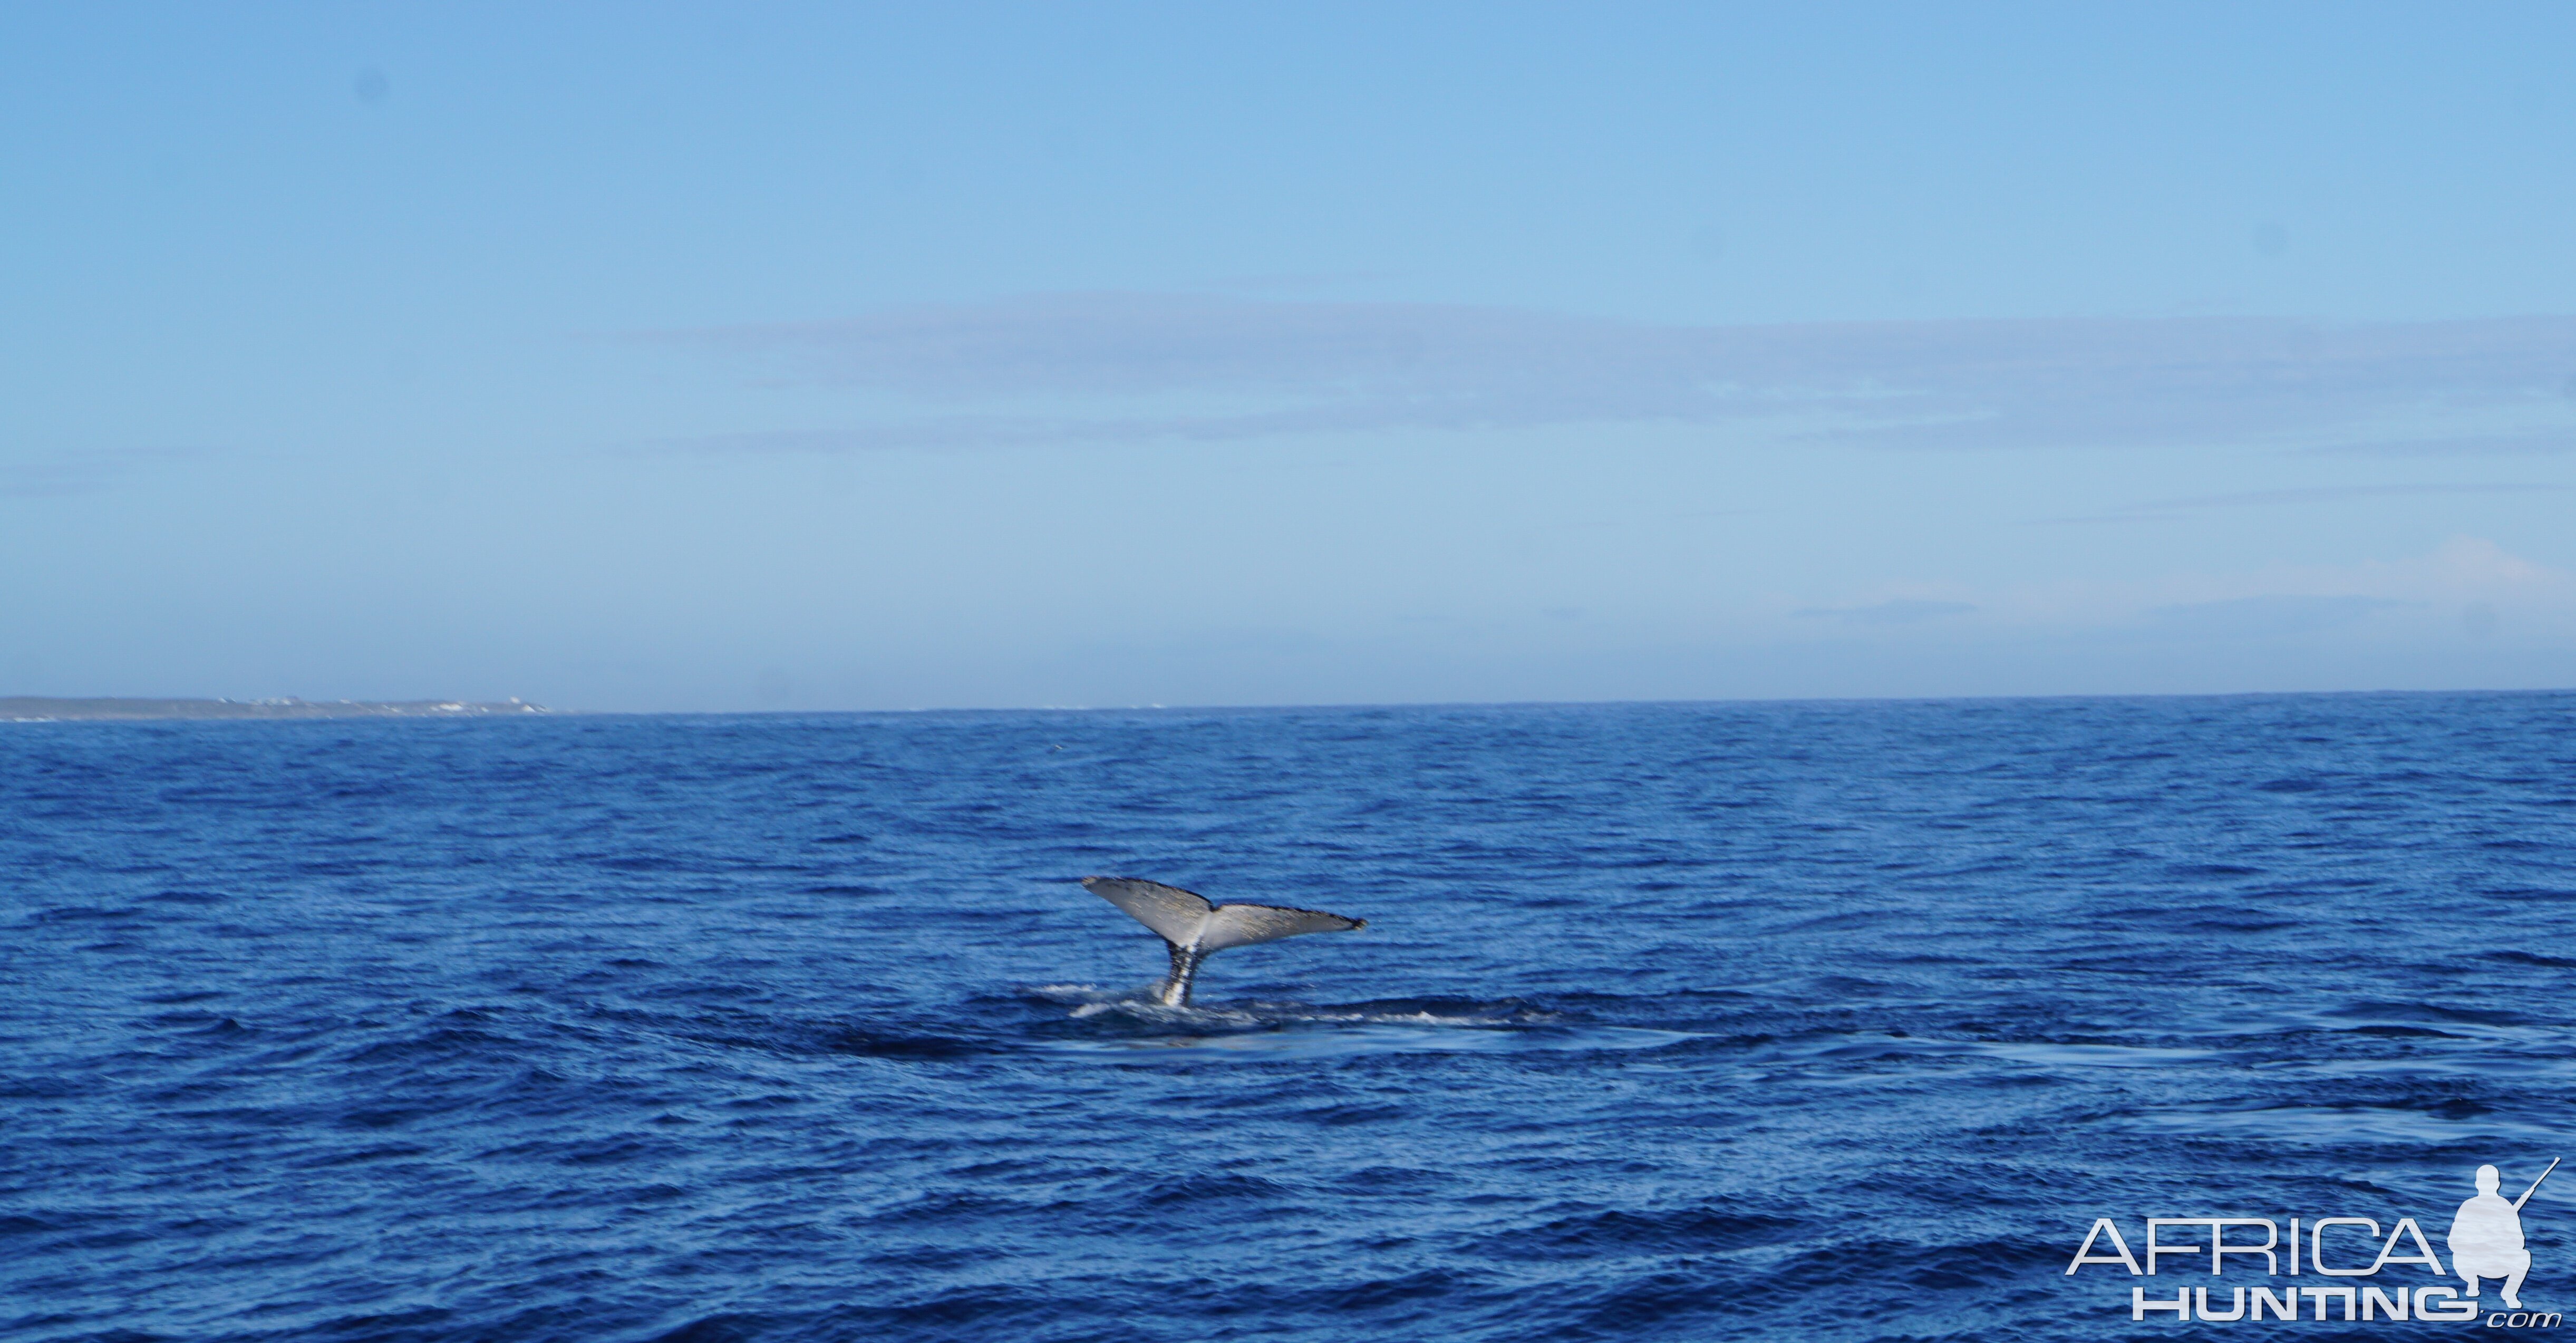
{"x":1195,"y":927}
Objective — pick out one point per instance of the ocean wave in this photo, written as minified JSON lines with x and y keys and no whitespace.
{"x":1671,"y":1022}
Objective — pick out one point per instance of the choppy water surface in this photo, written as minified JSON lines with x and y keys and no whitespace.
{"x":1822,"y":1021}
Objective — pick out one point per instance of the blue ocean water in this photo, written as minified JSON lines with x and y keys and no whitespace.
{"x":1791,"y":1021}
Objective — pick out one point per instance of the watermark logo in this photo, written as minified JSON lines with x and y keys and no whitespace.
{"x":2485,"y":1244}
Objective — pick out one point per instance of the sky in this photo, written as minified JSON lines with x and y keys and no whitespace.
{"x":720,"y":358}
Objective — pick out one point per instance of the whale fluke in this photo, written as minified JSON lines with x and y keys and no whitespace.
{"x":1194,"y":926}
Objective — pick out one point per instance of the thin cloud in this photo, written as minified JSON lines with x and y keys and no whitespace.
{"x":74,"y":473}
{"x":1077,"y":368}
{"x":2269,"y":616}
{"x":2542,"y":442}
{"x":2317,"y":495}
{"x":1897,"y":611}
{"x":2421,"y":593}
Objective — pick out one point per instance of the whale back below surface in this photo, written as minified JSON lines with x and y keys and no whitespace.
{"x":1188,"y":919}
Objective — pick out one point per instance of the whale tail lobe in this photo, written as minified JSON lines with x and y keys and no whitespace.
{"x":1195,"y":927}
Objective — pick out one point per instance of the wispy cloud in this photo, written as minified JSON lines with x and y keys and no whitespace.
{"x":69,"y":473}
{"x":1896,"y":611}
{"x":2318,"y":495}
{"x":2416,"y":592}
{"x":2269,"y":615}
{"x":1130,"y":367}
{"x":2546,"y":441}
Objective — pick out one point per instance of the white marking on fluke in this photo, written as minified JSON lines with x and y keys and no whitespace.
{"x":1195,"y":927}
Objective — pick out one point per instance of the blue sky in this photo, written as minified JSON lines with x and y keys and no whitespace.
{"x":634,"y":357}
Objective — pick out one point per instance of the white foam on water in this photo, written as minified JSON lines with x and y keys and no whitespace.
{"x":1305,"y":1029}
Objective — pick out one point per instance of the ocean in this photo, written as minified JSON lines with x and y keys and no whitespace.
{"x":1670,"y":1022}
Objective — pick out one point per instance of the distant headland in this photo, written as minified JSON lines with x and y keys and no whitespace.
{"x":36,"y":709}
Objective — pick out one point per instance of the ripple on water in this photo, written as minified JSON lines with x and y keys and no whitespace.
{"x":1785,"y":1021}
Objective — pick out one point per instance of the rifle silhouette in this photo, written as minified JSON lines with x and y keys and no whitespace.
{"x":2526,"y":1194}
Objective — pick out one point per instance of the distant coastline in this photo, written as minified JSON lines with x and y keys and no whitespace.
{"x":38,"y":709}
